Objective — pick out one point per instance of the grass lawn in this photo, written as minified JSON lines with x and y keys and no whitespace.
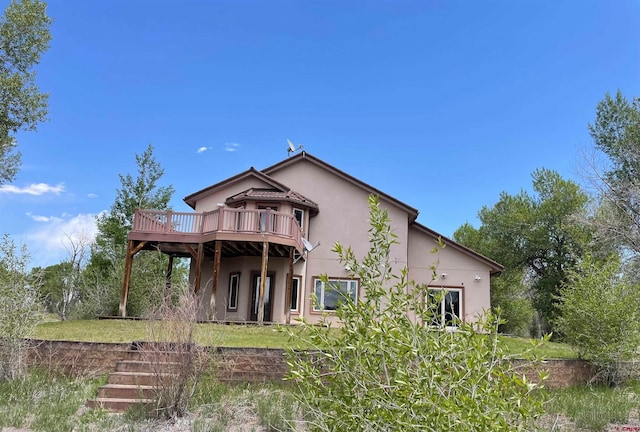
{"x":135,"y":330}
{"x":211,"y":334}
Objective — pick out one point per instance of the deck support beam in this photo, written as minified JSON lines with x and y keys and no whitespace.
{"x":287,"y":295}
{"x":263,"y":278}
{"x":216,"y":278}
{"x":198,"y":261}
{"x":132,"y":249}
{"x":167,"y":284}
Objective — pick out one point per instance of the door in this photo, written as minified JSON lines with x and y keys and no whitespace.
{"x":255,"y":296}
{"x":267,"y":224}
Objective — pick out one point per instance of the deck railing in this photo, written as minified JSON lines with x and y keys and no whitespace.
{"x":224,"y":219}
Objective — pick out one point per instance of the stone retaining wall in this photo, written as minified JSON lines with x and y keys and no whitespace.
{"x":237,"y":364}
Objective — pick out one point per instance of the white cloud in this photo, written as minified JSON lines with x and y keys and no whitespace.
{"x":51,"y":241}
{"x":33,"y":189}
{"x":231,"y":146}
{"x":39,"y":218}
{"x":92,"y":195}
{"x":202,"y":149}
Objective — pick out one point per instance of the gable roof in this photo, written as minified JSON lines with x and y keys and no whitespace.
{"x":496,"y":268}
{"x":280,"y":191}
{"x":251,"y":172}
{"x":413,"y":213}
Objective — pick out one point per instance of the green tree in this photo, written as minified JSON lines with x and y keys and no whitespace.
{"x":601,"y":316}
{"x":106,"y":264}
{"x":616,"y":133}
{"x":538,"y":238}
{"x":143,"y":192}
{"x":24,"y":37}
{"x":383,"y":369}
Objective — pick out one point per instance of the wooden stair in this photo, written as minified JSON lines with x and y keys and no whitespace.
{"x":132,"y":383}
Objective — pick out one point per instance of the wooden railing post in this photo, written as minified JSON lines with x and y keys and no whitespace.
{"x":169,"y":222}
{"x":220,"y":218}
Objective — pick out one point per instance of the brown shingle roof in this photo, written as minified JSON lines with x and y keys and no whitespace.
{"x":272,"y":194}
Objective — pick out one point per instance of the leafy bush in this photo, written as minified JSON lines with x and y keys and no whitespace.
{"x":20,"y":311}
{"x":384,"y":369}
{"x":601,"y":317}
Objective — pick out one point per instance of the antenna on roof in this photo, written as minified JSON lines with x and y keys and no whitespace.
{"x":292,"y":148}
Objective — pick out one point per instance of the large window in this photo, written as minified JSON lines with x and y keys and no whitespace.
{"x":333,"y":293}
{"x":234,"y":280}
{"x":446,"y":306}
{"x":295,"y":294}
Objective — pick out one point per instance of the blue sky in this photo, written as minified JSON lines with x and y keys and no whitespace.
{"x":442,"y":104}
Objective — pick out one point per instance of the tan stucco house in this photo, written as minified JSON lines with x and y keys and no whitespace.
{"x":268,"y":235}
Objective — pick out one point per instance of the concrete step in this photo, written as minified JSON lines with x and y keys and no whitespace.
{"x":132,"y":378}
{"x":117,"y":405}
{"x":126,"y":391}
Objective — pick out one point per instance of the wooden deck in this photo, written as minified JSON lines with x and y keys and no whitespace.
{"x":170,"y":231}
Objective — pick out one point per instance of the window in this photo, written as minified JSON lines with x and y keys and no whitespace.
{"x":446,"y":305}
{"x":299,"y":215}
{"x":330,"y":295}
{"x":234,"y":280}
{"x":295,"y":294}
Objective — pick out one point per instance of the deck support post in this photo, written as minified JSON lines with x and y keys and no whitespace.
{"x":128,"y":263}
{"x":198,"y":277}
{"x":287,"y":295}
{"x":216,"y":277}
{"x":263,"y":278}
{"x":167,"y":284}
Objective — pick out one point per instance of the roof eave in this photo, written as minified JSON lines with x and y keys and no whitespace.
{"x":194,"y":197}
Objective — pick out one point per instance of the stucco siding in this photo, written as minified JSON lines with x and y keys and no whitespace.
{"x":454,"y":269}
{"x":343,"y":218}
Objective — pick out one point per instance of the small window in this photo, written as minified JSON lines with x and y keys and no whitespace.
{"x":295,"y":294}
{"x":234,"y":280}
{"x":336,"y":291}
{"x":446,"y":306}
{"x":299,"y":215}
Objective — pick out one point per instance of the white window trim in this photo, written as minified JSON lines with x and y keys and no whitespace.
{"x":442,"y":305}
{"x":319,"y":305}
{"x":233,"y":276}
{"x":302,"y":212}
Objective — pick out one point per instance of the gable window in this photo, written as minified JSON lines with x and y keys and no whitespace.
{"x":299,"y":215}
{"x":234,"y":280}
{"x":332,"y":294}
{"x":446,"y":306}
{"x":294,"y":303}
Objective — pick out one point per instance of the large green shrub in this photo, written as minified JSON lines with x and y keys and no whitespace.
{"x":384,"y":369}
{"x":20,"y":310}
{"x":600,"y":317}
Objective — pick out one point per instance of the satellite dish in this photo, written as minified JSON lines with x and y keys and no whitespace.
{"x":307,"y":245}
{"x":292,"y":148}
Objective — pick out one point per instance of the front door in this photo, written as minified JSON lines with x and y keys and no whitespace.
{"x":255,"y":296}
